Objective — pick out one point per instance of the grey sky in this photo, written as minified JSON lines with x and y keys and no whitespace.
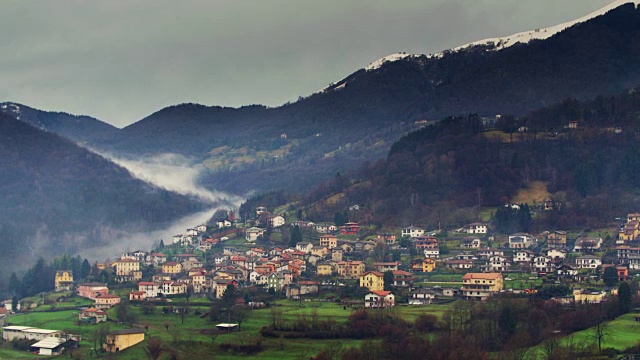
{"x":121,"y":60}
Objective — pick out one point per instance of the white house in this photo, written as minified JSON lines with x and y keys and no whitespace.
{"x":588,"y":262}
{"x":276,"y":221}
{"x":379,"y":299}
{"x":498,"y":264}
{"x":523,"y":256}
{"x":252,"y":234}
{"x":433,"y":253}
{"x":476,"y":228}
{"x":412,"y":231}
{"x":201,"y":228}
{"x":521,"y":241}
{"x":544,"y":264}
{"x":150,"y":289}
{"x":556,"y":254}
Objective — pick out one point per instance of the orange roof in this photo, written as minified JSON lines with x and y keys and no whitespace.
{"x":381,"y":293}
{"x":376,"y":273}
{"x":483,"y":276}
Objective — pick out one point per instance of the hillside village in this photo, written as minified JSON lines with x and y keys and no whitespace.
{"x":255,"y":263}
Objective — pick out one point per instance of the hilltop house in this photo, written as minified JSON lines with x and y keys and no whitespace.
{"x":476,"y":228}
{"x":63,"y":280}
{"x":252,"y":234}
{"x":521,"y":241}
{"x":557,"y":239}
{"x":328,"y":241}
{"x":412,"y":231}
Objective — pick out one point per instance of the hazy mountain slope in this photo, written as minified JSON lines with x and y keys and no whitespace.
{"x":81,"y":129}
{"x":372,"y":108}
{"x":57,"y":196}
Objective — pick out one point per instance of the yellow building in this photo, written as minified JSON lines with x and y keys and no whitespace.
{"x":480,"y":286}
{"x":428,"y":265}
{"x":373,"y":280}
{"x":329,"y":241}
{"x":128,"y":270}
{"x":171,"y":268}
{"x":588,"y":297}
{"x":63,"y":280}
{"x":119,"y":340}
{"x":324,"y":269}
{"x":355,"y":269}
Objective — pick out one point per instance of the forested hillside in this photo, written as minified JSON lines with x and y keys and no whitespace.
{"x":445,"y":171}
{"x":57,"y":196}
{"x":356,"y":119}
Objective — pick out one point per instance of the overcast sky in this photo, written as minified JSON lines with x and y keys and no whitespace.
{"x":121,"y":60}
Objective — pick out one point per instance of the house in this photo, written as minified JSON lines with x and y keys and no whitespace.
{"x":305,"y":247}
{"x":458,"y":264}
{"x":191,"y":264}
{"x":350,"y":269}
{"x":127,"y":270}
{"x":476,"y":228}
{"x":328,"y":241}
{"x":428,"y":265}
{"x":171,"y":268}
{"x":557,"y":239}
{"x":252,"y":234}
{"x":498,"y":264}
{"x":622,"y":271}
{"x":402,"y":278}
{"x":425,"y":242}
{"x":557,"y":255}
{"x":92,"y":290}
{"x":379,"y":299}
{"x":106,"y":301}
{"x":324,"y":269}
{"x":119,"y":340}
{"x":588,"y":262}
{"x":566,"y":271}
{"x":629,"y":256}
{"x":412,"y":231}
{"x":587,"y":244}
{"x":522,"y":241}
{"x":470,"y":243}
{"x":151,"y":290}
{"x":432,"y":253}
{"x":422,"y":297}
{"x":136,"y":295}
{"x":201,"y":228}
{"x":350,"y":228}
{"x":223,"y":223}
{"x":301,"y":288}
{"x":63,"y":280}
{"x":275,"y":281}
{"x":372,"y":280}
{"x":487,"y":253}
{"x":481,"y":286}
{"x":221,"y":287}
{"x":276,"y":221}
{"x":156,"y":259}
{"x":588,"y":297}
{"x":523,"y":256}
{"x":92,"y":315}
{"x":543,"y":265}
{"x":386,"y":266}
{"x":388,"y":239}
{"x":173,"y":288}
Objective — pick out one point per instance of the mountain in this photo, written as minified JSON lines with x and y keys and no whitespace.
{"x":356,"y":119}
{"x":81,"y":129}
{"x":58,"y":197}
{"x":449,"y":171}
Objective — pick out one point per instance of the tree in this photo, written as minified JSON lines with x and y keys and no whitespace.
{"x":600,"y":332}
{"x":610,"y":276}
{"x":388,"y":280}
{"x":161,"y":245}
{"x":229,"y":296}
{"x":15,"y":286}
{"x":625,"y":298}
{"x":296,"y":236}
{"x":124,"y":314}
{"x":154,"y":347}
{"x":85,"y":269}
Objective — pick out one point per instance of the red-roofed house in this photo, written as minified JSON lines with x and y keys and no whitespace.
{"x":379,"y":299}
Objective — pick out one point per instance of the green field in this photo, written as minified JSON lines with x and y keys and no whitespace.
{"x":623,"y":332}
{"x":195,"y":329}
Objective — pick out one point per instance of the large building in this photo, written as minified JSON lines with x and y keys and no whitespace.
{"x":128,"y":270}
{"x":481,"y":286}
{"x":372,"y":280}
{"x":119,"y":340}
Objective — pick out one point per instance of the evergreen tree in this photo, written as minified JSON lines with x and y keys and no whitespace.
{"x":161,"y":245}
{"x":610,"y":276}
{"x":229,"y":296}
{"x":85,"y":269}
{"x":625,"y":298}
{"x":388,"y":280}
{"x":296,"y":236}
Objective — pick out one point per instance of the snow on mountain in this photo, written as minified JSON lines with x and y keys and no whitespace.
{"x":541,"y":34}
{"x":507,"y":41}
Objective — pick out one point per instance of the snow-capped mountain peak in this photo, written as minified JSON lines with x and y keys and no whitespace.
{"x":500,"y":43}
